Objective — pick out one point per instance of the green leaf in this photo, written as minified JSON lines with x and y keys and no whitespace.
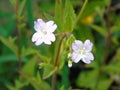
{"x":104,"y":84}
{"x":70,"y":40}
{"x":8,"y":58}
{"x":112,"y":68}
{"x":21,"y":7}
{"x":82,"y":32}
{"x":11,"y":87}
{"x":59,"y":14}
{"x":29,"y":67}
{"x":115,"y":28}
{"x":99,"y":30}
{"x":62,"y":88}
{"x":87,"y":79}
{"x":48,"y":69}
{"x":92,"y":5}
{"x":37,"y":82}
{"x":69,"y":17}
{"x":9,"y":43}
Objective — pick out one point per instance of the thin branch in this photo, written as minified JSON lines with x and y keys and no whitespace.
{"x":81,"y":11}
{"x":107,"y":44}
{"x":18,"y":35}
{"x":108,"y":36}
{"x":56,"y":61}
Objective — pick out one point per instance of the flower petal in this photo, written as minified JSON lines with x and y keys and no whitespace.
{"x":88,"y":45}
{"x":35,"y":37}
{"x":39,"y":25}
{"x":77,"y":45}
{"x":85,"y":60}
{"x":39,"y":42}
{"x":89,"y":57}
{"x":49,"y":23}
{"x":52,"y":37}
{"x":52,"y":28}
{"x":46,"y":40}
{"x":75,"y":57}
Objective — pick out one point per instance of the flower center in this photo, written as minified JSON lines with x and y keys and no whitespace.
{"x":44,"y":32}
{"x":82,"y":50}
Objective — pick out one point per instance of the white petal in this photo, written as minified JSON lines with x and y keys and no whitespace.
{"x":49,"y":23}
{"x":75,"y":57}
{"x":88,"y":57}
{"x":52,"y":28}
{"x":77,"y":45}
{"x":35,"y":37}
{"x":39,"y":41}
{"x":52,"y":37}
{"x":88,"y":45}
{"x":85,"y":60}
{"x":46,"y":40}
{"x":39,"y":25}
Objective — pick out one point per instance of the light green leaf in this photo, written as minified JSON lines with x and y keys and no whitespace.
{"x":31,"y":51}
{"x":29,"y":67}
{"x":21,"y":7}
{"x":62,"y":88}
{"x":104,"y":84}
{"x":9,"y":43}
{"x":112,"y":68}
{"x":70,"y":40}
{"x":48,"y":69}
{"x":11,"y":87}
{"x":59,"y":14}
{"x":37,"y":82}
{"x":99,"y":30}
{"x":115,"y":28}
{"x":69,"y":17}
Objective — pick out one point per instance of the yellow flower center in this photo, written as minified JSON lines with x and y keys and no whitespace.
{"x":82,"y":50}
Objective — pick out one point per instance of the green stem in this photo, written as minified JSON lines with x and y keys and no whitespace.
{"x":81,"y":11}
{"x":18,"y":35}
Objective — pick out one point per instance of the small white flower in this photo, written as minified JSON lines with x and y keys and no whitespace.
{"x":82,"y":51}
{"x":44,"y":32}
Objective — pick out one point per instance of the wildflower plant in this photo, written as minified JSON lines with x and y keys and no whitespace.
{"x":64,"y":49}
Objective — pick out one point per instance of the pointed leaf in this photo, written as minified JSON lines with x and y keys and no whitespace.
{"x":69,"y":17}
{"x":48,"y":70}
{"x":9,"y":43}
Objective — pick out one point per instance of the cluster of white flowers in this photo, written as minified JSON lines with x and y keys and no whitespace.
{"x":44,"y":34}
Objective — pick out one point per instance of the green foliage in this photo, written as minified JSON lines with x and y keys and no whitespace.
{"x":10,"y":43}
{"x":48,"y":70}
{"x":76,"y":20}
{"x":66,"y":16}
{"x":93,"y":5}
{"x":87,"y":79}
{"x":69,"y":17}
{"x":100,"y":30}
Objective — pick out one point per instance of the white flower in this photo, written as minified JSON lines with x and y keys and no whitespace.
{"x":82,"y":51}
{"x":44,"y":32}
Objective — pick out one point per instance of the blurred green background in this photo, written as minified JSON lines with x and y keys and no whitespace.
{"x":99,"y":22}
